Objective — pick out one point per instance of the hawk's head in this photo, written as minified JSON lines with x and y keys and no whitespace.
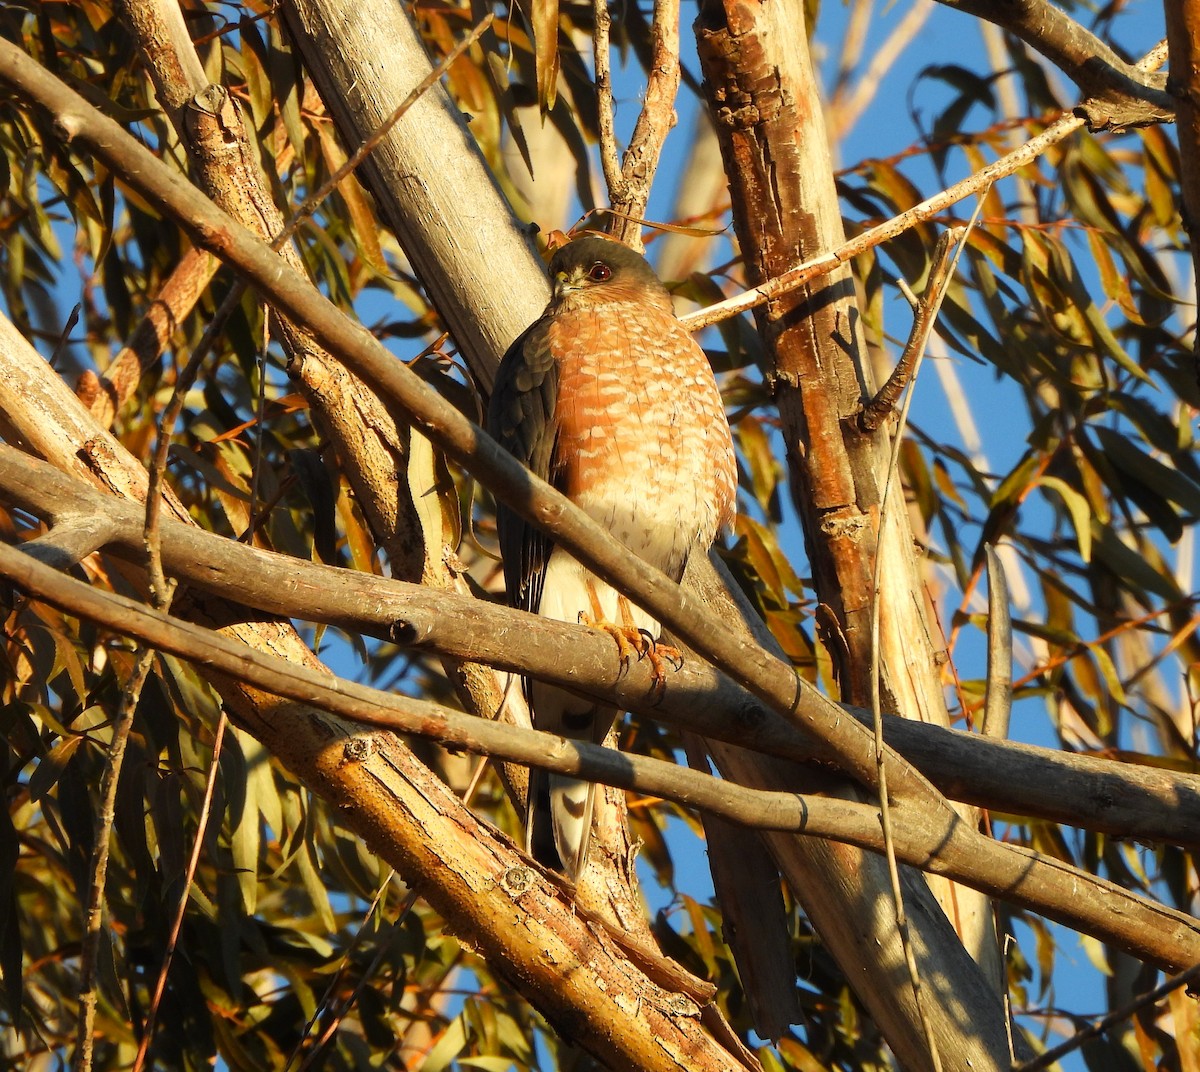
{"x":596,"y":270}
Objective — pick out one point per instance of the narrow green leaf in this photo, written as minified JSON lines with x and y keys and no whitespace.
{"x":1109,"y":671}
{"x":1080,"y":511}
{"x":1147,"y":470}
{"x":447,"y":1048}
{"x":50,"y":767}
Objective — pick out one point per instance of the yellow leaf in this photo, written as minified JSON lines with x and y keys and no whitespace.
{"x":545,"y":39}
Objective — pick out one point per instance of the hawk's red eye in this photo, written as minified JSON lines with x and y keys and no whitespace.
{"x":599,"y":272}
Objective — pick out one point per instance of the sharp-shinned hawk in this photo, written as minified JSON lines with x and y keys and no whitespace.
{"x":611,"y":400}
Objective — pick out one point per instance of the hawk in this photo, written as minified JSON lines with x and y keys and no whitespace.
{"x":609,"y":399}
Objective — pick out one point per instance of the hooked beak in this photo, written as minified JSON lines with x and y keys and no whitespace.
{"x":564,"y":284}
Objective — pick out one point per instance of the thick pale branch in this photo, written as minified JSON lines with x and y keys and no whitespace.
{"x":1057,"y":890}
{"x":1122,"y":799}
{"x":393,"y":473}
{"x":430,"y":181}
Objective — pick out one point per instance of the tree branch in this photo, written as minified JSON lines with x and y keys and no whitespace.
{"x":340,"y":41}
{"x":1183,"y":34}
{"x":73,"y":538}
{"x":1147,"y":930}
{"x":404,"y":812}
{"x":654,"y":123}
{"x":393,"y":473}
{"x":93,"y":912}
{"x":879,"y":408}
{"x":610,"y":159}
{"x":1122,"y":799}
{"x":824,"y":263}
{"x":774,"y":680}
{"x":1116,"y":94}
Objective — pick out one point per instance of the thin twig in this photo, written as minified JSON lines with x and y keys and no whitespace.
{"x":369,"y":972}
{"x":340,"y":974}
{"x":177,"y":924}
{"x":609,"y":154}
{"x":853,"y":40}
{"x":851,"y":97}
{"x":852,"y":103}
{"x":1151,"y":997}
{"x":875,"y":412}
{"x":939,"y":280}
{"x":98,"y":868}
{"x":825,"y":263}
{"x":654,"y":123}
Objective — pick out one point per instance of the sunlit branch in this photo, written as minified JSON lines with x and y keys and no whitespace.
{"x":1125,"y":800}
{"x":1051,"y":887}
{"x":1061,"y":128}
{"x":772,"y":680}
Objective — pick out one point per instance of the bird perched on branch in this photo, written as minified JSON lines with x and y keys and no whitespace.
{"x":609,"y":398}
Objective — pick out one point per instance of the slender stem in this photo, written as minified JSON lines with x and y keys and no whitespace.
{"x":98,"y":869}
{"x":906,"y":371}
{"x":177,"y":925}
{"x":609,"y":154}
{"x":1115,"y":1017}
{"x":854,"y":97}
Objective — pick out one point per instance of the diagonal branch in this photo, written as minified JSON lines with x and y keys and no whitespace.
{"x":815,"y":267}
{"x":1116,"y":94}
{"x":630,"y":193}
{"x":770,"y":679}
{"x":1097,"y":794}
{"x":875,"y":412}
{"x":1069,"y":895}
{"x":403,"y":811}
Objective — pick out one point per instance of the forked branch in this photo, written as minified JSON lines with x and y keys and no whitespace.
{"x":1147,"y":930}
{"x":1009,"y":163}
{"x":1116,"y":94}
